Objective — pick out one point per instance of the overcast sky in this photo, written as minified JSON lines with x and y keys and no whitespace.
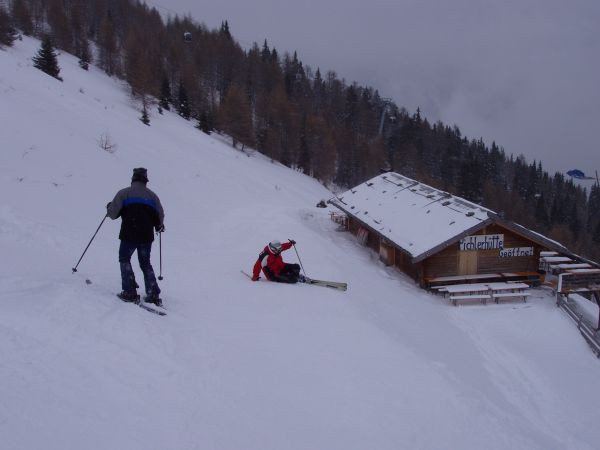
{"x":524,"y":73}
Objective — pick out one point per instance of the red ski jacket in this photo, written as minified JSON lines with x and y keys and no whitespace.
{"x":271,"y":260}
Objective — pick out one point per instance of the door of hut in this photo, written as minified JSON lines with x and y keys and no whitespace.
{"x":467,"y":263}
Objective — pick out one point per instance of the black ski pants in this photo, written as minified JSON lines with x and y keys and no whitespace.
{"x":289,"y":274}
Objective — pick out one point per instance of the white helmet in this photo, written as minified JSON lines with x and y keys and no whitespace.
{"x":275,"y":246}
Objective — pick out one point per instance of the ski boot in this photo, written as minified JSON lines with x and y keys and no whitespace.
{"x":154,"y":299}
{"x":303,"y":279}
{"x":129,"y":296}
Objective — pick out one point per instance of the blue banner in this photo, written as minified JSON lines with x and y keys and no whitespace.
{"x":576,"y":173}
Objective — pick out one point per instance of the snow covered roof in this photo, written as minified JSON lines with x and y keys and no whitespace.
{"x":412,"y":215}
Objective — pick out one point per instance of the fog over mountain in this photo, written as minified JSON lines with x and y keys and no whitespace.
{"x":521,"y":73}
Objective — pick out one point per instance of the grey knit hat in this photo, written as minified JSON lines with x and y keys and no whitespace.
{"x":140,"y":174}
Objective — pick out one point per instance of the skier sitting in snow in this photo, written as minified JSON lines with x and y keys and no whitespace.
{"x":140,"y":211}
{"x":271,"y":263}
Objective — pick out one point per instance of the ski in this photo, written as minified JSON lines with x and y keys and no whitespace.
{"x":144,"y":306}
{"x":150,"y":309}
{"x":330,"y":284}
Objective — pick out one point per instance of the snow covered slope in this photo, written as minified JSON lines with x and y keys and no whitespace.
{"x":235,"y":364}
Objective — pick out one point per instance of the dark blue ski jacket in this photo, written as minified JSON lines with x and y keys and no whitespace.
{"x":141,"y":213}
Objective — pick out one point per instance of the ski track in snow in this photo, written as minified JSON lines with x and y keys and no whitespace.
{"x":235,"y":364}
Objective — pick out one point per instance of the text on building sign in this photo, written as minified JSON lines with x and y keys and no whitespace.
{"x":516,"y":251}
{"x":482,"y":242}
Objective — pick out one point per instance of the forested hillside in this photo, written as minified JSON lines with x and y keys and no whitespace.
{"x":318,"y":123}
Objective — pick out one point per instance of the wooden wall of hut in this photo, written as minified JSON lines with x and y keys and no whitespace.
{"x":403,"y":261}
{"x":452,"y":261}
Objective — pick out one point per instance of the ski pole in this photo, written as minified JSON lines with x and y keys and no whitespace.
{"x":88,"y":246}
{"x":160,"y":277}
{"x":299,"y":260}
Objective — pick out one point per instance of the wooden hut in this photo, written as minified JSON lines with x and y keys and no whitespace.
{"x":436,"y":237}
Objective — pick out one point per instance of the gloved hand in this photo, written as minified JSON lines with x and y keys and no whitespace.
{"x":160,"y":228}
{"x":255,"y":278}
{"x":293,"y":242}
{"x":108,"y":205}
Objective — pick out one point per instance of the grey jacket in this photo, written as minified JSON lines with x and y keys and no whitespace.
{"x":140,"y":210}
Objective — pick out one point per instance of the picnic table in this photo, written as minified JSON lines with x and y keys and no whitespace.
{"x":485,"y":291}
{"x":473,"y":291}
{"x":584,"y":271}
{"x":556,"y":259}
{"x":559,"y":268}
{"x":546,"y":261}
{"x":504,"y":290}
{"x":574,"y":266}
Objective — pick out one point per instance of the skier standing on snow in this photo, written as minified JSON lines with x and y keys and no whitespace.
{"x":271,"y":263}
{"x":141,"y":212}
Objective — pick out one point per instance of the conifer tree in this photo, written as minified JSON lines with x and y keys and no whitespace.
{"x":265,"y":54}
{"x":46,"y":60}
{"x":206,"y":122}
{"x":596,"y":235}
{"x":321,"y":148}
{"x":318,"y":91}
{"x":22,"y":16}
{"x":183,"y":103}
{"x":235,"y":117}
{"x":85,"y":55}
{"x":165,"y":94}
{"x":304,"y":161}
{"x":107,"y":45}
{"x":59,"y":24}
{"x":77,"y":24}
{"x":470,"y":184}
{"x":541,"y":212}
{"x":225,"y":30}
{"x":593,"y":207}
{"x":136,"y":64}
{"x":7,"y":32}
{"x":145,"y":119}
{"x":573,"y":220}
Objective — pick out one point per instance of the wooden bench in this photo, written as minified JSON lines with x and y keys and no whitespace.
{"x":443,"y":288}
{"x":498,"y":295}
{"x":533,"y":277}
{"x":475,"y":291}
{"x":483,"y":297}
